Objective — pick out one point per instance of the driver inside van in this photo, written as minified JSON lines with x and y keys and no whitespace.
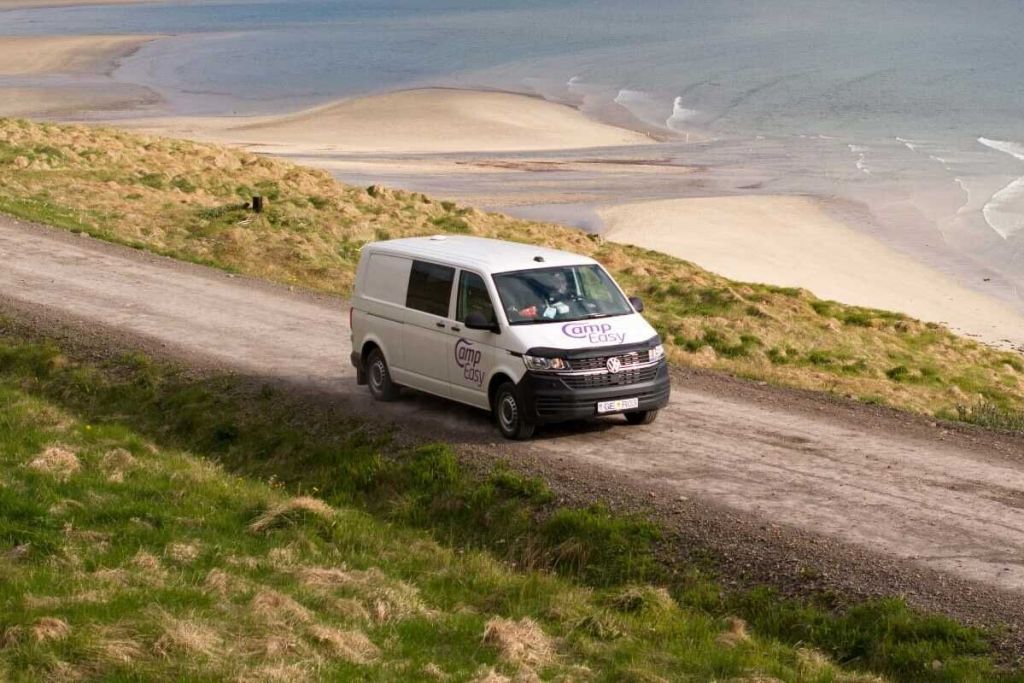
{"x":549,"y":296}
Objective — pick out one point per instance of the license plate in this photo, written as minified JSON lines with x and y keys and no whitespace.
{"x":617,"y":406}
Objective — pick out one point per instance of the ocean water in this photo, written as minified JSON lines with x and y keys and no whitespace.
{"x":913,"y":109}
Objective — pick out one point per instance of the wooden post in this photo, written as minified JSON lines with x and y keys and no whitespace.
{"x":257,"y":204}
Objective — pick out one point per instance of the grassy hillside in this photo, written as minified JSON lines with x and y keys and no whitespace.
{"x":158,"y":526}
{"x":188,"y":200}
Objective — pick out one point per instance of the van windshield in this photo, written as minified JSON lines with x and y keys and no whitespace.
{"x":560,"y":293}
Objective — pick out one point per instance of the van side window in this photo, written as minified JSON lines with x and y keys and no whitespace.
{"x":430,"y":288}
{"x":473,"y":296}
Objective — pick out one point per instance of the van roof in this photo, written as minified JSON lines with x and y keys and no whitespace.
{"x":491,"y":256}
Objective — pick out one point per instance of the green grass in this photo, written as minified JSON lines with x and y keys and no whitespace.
{"x":992,"y":416}
{"x":146,"y":553}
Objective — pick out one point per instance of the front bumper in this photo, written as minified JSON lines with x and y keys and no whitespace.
{"x":548,"y":397}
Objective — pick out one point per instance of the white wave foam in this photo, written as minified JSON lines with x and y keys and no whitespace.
{"x":861,"y":163}
{"x":642,"y":105}
{"x":1014,"y":149}
{"x":625,"y":97}
{"x":571,"y":82}
{"x":1004,"y":212}
{"x":680,"y":114}
{"x":909,"y":144}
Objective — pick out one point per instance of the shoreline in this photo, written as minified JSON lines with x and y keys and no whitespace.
{"x":795,"y":242}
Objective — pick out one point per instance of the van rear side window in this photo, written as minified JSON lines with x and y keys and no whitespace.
{"x":430,"y":288}
{"x":386,"y":276}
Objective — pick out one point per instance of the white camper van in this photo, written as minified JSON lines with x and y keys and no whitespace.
{"x":534,"y":335}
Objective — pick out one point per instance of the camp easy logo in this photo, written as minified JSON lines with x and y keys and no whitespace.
{"x":595,"y":333}
{"x":468,"y":358}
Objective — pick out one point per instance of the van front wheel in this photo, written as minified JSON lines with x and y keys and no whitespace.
{"x":508,"y":413}
{"x":641,"y":417}
{"x":378,"y":377}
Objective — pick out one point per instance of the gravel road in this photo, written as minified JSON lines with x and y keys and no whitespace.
{"x":940,"y":503}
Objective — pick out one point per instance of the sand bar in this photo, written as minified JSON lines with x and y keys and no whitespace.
{"x":433,"y":120}
{"x":33,"y":55}
{"x":794,"y":241}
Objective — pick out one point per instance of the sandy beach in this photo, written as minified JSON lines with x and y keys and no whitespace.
{"x":34,"y":68}
{"x":31,"y":55}
{"x":426,"y":121}
{"x":794,"y":241}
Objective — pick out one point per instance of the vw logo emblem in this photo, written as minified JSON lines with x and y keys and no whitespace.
{"x":614,"y":365}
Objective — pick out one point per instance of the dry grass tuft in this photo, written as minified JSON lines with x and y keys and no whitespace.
{"x":325,"y":577}
{"x":150,"y":565}
{"x":119,"y":650}
{"x":638,"y":598}
{"x":434,"y":672}
{"x":50,"y":628}
{"x":64,"y":506}
{"x":396,"y":602}
{"x":389,"y":600}
{"x":276,"y":673}
{"x":350,"y":609}
{"x":521,"y":642}
{"x":290,"y":511}
{"x":489,"y":675}
{"x":116,"y":462}
{"x":282,"y":558}
{"x":352,"y":646}
{"x":813,"y":664}
{"x":276,"y":607}
{"x":57,"y":461}
{"x":735,"y":633}
{"x":218,"y":582}
{"x":189,"y":637}
{"x":284,"y":643}
{"x":182,"y":553}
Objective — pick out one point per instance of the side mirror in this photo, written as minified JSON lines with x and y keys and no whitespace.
{"x":476,"y":320}
{"x":637,"y":303}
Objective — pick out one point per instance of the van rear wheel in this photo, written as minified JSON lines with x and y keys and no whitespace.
{"x":641,"y":417}
{"x":378,"y":377}
{"x":508,"y":413}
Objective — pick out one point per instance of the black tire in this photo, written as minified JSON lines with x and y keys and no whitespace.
{"x":378,"y":377}
{"x":642,"y":417}
{"x":509,"y":415}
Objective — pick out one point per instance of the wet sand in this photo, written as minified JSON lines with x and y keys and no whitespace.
{"x":62,"y":76}
{"x":795,"y":241}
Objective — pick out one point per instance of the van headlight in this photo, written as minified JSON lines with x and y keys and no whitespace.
{"x":657,"y":353}
{"x":543,"y":364}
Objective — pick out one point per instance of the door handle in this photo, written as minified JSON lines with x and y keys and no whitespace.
{"x":456,"y":328}
{"x":441,"y":325}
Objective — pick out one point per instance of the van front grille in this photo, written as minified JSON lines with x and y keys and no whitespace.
{"x":606,"y":379}
{"x":601,"y":362}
